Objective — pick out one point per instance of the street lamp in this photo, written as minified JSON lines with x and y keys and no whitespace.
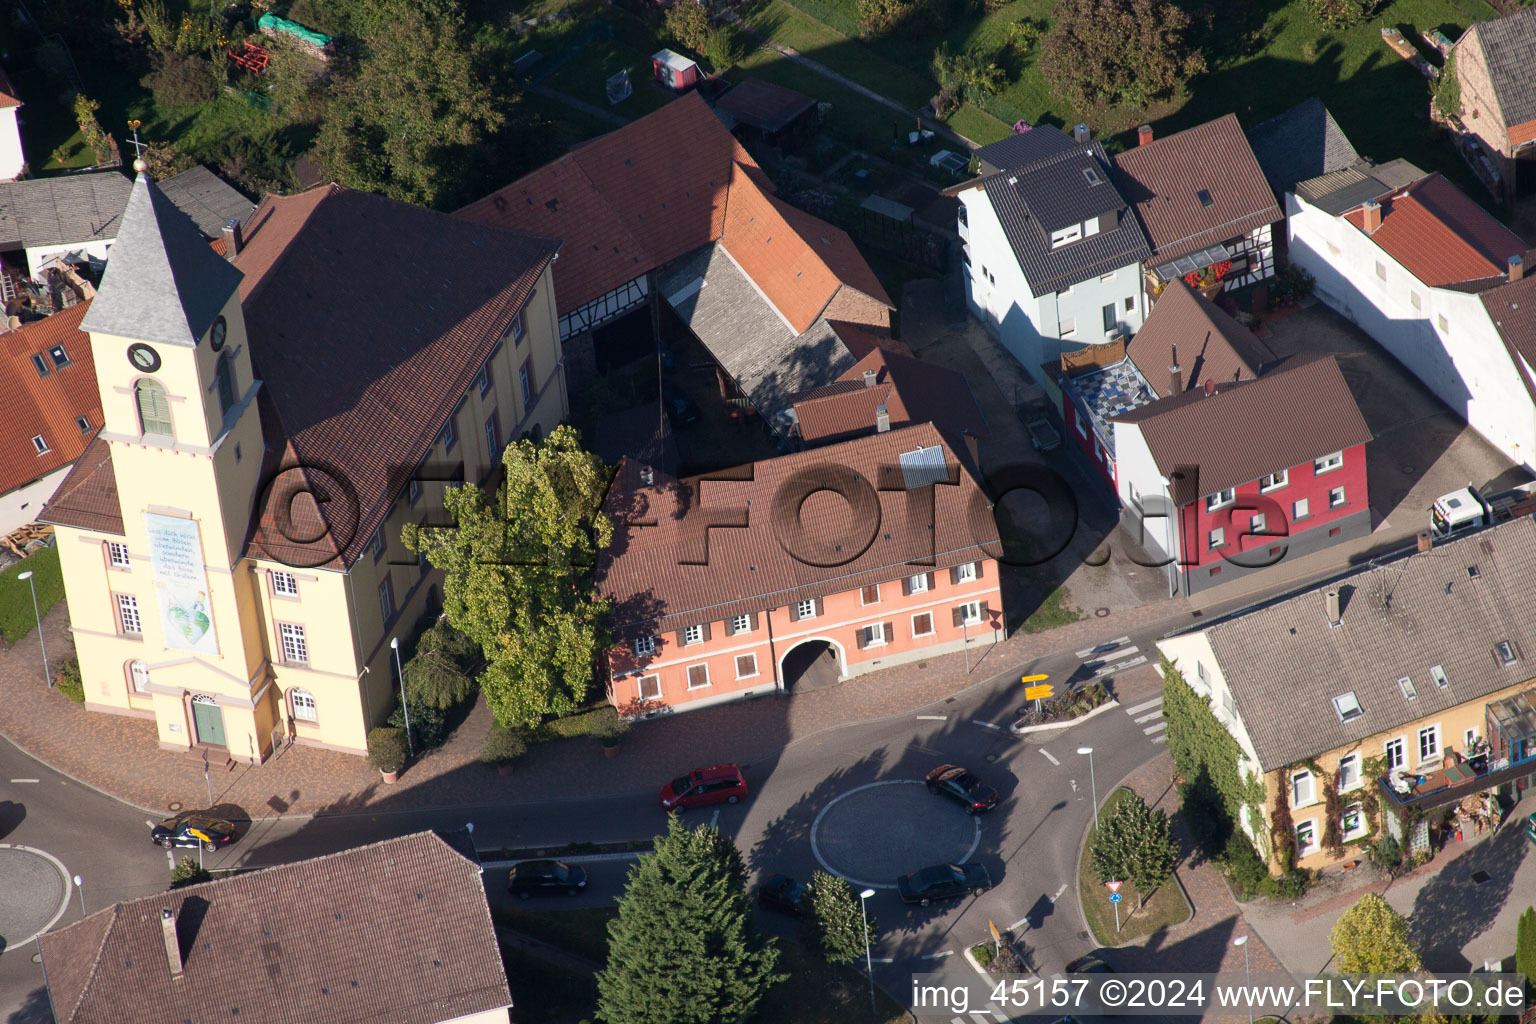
{"x":80,"y":884}
{"x":1242,"y":940}
{"x":394,"y":644}
{"x":869,"y":963}
{"x":37,"y":613}
{"x":1093,"y":785}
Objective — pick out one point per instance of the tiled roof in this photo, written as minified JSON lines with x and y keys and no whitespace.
{"x":1027,"y":198}
{"x":1397,"y":173}
{"x":1512,"y":308}
{"x":911,"y":390}
{"x":87,"y":497}
{"x":75,"y":208}
{"x":674,"y":572}
{"x":7,"y":92}
{"x":1250,"y":428}
{"x":861,"y":342}
{"x":763,"y":105}
{"x":46,"y":405}
{"x":1302,"y":143}
{"x":397,"y":931}
{"x":1107,"y":392}
{"x":1164,"y":179}
{"x":207,"y":199}
{"x":1398,"y":619}
{"x":1338,"y":191}
{"x":1211,"y":345}
{"x":1508,"y":51}
{"x":1440,"y":236}
{"x":1023,"y":148}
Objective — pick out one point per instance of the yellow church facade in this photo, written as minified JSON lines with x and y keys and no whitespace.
{"x":273,"y":417}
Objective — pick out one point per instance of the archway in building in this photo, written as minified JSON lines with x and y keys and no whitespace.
{"x":811,"y":665}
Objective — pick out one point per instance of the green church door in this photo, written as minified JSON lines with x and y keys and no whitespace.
{"x":209,"y":721}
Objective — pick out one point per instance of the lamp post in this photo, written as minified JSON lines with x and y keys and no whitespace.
{"x":80,"y":885}
{"x":1093,"y":786}
{"x":869,"y":963}
{"x":410,"y":744}
{"x":1242,"y":940}
{"x":37,"y":613}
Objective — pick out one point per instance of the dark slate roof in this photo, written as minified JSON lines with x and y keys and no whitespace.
{"x":1023,"y":148}
{"x":207,"y":199}
{"x":1050,"y":193}
{"x":1340,"y":191}
{"x":163,"y":283}
{"x":1397,"y":173}
{"x":1302,"y":143}
{"x":1509,"y":52}
{"x":57,"y":211}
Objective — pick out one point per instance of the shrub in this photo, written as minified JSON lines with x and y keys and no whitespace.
{"x":1386,"y":853}
{"x":1448,"y":90}
{"x":1024,"y":34}
{"x":1340,"y":13}
{"x":429,"y":724}
{"x":722,"y":47}
{"x":878,"y":16}
{"x":1289,"y":886}
{"x":609,"y":726}
{"x":1005,"y":962}
{"x":386,"y":749}
{"x":189,"y":872}
{"x":179,"y":81}
{"x":687,"y":21}
{"x":69,"y":683}
{"x":503,"y":745}
{"x":1245,"y":870}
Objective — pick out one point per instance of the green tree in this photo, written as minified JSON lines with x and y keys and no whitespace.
{"x":1448,"y":89}
{"x":1525,"y":947}
{"x":1135,"y":843}
{"x":835,"y":922}
{"x":972,"y":75}
{"x":519,"y":575}
{"x":722,"y":47}
{"x":439,"y":673}
{"x":1372,"y":938}
{"x":683,"y":949}
{"x":1338,"y":14}
{"x":295,"y":81}
{"x":879,"y":16}
{"x":1118,"y":52}
{"x":415,"y":108}
{"x":687,"y":21}
{"x":85,"y":116}
{"x":189,"y":872}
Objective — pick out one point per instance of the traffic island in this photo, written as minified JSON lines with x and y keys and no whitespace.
{"x":1140,"y":915}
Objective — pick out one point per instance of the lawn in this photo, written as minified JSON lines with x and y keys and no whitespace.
{"x":585,"y":77}
{"x":1166,"y":906}
{"x":977,"y":125}
{"x":17,"y":617}
{"x":1055,"y":610}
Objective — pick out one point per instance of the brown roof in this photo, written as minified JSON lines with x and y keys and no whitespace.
{"x":1250,"y":428}
{"x":666,"y":570}
{"x":861,"y":342}
{"x":1164,"y":178}
{"x":7,"y":92}
{"x":1441,"y":236}
{"x":397,"y":931}
{"x":763,"y":105}
{"x":46,"y":405}
{"x":1211,"y":345}
{"x":1513,"y":313}
{"x":912,"y":391}
{"x":87,"y":499}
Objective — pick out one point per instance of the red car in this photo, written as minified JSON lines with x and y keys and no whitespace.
{"x":717,"y":784}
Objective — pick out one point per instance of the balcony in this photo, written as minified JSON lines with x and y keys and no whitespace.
{"x":1449,"y":784}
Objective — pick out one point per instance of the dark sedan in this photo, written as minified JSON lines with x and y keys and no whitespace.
{"x":542,"y":877}
{"x":962,"y":787}
{"x":943,"y":882}
{"x":784,"y":894}
{"x":194,"y":830}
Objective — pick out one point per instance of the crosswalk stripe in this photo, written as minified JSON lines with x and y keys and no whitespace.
{"x":1160,"y":739}
{"x":1140,"y":659}
{"x":1147,"y":718}
{"x":1159,"y":727}
{"x":1107,"y":645}
{"x":1139,"y":708}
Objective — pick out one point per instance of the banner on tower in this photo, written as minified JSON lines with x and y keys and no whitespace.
{"x":181,"y":585}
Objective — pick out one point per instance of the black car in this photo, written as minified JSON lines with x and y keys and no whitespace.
{"x":962,"y":787}
{"x":782,"y":893}
{"x":194,"y":830}
{"x":942,"y":882}
{"x":536,"y":877}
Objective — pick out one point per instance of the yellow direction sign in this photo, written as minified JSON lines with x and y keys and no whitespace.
{"x":996,"y":937}
{"x":1038,"y":692}
{"x":1034,"y":679}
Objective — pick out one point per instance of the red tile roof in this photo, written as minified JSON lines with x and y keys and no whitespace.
{"x":7,"y":93}
{"x":912,"y":391}
{"x":1164,"y":179}
{"x":665,"y":570}
{"x":1441,"y":236}
{"x":861,"y":342}
{"x":1211,"y":345}
{"x":87,"y":498}
{"x":46,"y":405}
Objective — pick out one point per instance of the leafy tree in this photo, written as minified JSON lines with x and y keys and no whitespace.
{"x":179,"y":81}
{"x":971,"y":75}
{"x":1337,"y":14}
{"x":165,"y":160}
{"x":519,"y":575}
{"x":1134,"y":842}
{"x":416,"y":106}
{"x":722,"y":47}
{"x":1525,"y":946}
{"x":295,"y":81}
{"x":687,"y":21}
{"x":1372,"y":938}
{"x":835,"y":922}
{"x":683,"y":949}
{"x":879,"y":16}
{"x":1118,"y":52}
{"x":1448,"y":89}
{"x":189,"y":872}
{"x":438,"y":674}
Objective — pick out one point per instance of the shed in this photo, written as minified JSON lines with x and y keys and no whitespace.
{"x":779,"y":116}
{"x":675,"y":71}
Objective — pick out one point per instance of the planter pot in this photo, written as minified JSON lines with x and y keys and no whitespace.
{"x":389,"y":777}
{"x":612,"y":751}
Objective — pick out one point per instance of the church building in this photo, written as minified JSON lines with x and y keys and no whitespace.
{"x":273,"y":416}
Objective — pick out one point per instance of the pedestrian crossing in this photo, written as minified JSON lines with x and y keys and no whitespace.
{"x":1149,"y":715}
{"x":978,"y":1017}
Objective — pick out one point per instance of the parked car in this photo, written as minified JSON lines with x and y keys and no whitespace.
{"x":962,"y":787}
{"x":193,"y":830}
{"x":542,"y":877}
{"x":784,"y":894}
{"x":717,"y":784}
{"x":1089,"y":964}
{"x":942,"y":882}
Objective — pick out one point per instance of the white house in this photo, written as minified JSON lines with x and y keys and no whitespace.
{"x":1052,"y":250}
{"x":12,"y":159}
{"x":1436,"y":280}
{"x":67,"y":219}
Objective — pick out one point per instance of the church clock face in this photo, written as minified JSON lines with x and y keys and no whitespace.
{"x":216,"y":335}
{"x":144,"y":358}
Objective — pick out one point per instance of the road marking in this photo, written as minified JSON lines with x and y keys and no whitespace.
{"x":1140,"y":659}
{"x":1144,"y":719}
{"x":1159,"y":727}
{"x":1139,"y":708}
{"x":1107,"y":645}
{"x":884,"y":959}
{"x":1059,"y":892}
{"x":1049,"y":758}
{"x":937,"y":956}
{"x":23,"y":780}
{"x":170,"y":858}
{"x":714,"y":819}
{"x":933,"y":718}
{"x":986,"y":725}
{"x":1160,"y":739}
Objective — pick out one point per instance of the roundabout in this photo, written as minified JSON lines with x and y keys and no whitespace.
{"x":35,"y":894}
{"x":880,"y":831}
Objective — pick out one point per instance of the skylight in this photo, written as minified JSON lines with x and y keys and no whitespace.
{"x":1406,"y":685}
{"x":1205,"y":199}
{"x":1348,"y":706}
{"x":1092,"y":176}
{"x":1505,"y":652}
{"x":1438,"y":674}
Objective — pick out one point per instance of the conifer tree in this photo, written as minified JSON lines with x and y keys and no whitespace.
{"x":1134,"y":843}
{"x":836,"y":924}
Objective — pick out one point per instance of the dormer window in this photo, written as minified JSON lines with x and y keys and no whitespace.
{"x":1505,"y":652}
{"x":1065,"y":235}
{"x":1406,"y":685}
{"x":1348,"y":706}
{"x":1437,"y":673}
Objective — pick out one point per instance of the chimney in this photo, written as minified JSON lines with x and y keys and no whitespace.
{"x":233,"y":242}
{"x":1372,"y":216}
{"x":1426,"y":541}
{"x":1333,"y":608}
{"x":869,"y":377}
{"x":1210,"y":388}
{"x":882,"y":419}
{"x":1516,"y":268}
{"x":647,"y":475}
{"x":1081,"y":135}
{"x":172,"y":944}
{"x":1143,"y":135}
{"x":1175,"y":375}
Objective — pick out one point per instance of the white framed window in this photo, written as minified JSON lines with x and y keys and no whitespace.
{"x":295,"y":644}
{"x":1336,"y":497}
{"x":918,"y":584}
{"x":805,"y":609}
{"x":1082,"y":428}
{"x":1303,"y":789}
{"x":525,"y":382}
{"x":377,"y":544}
{"x":493,"y":434}
{"x":741,"y":624}
{"x":1109,"y":276}
{"x":643,"y":646}
{"x":1469,"y":739}
{"x":117,"y":555}
{"x":1067,"y":234}
{"x":1437,"y":673}
{"x":387,"y":598}
{"x":1218,"y":538}
{"x":1396,"y":753}
{"x":1405,"y":684}
{"x":413,"y":491}
{"x":1202,"y":675}
{"x":138,"y":673}
{"x":1258,"y":524}
{"x":1505,"y":652}
{"x":966,"y":573}
{"x":128,"y":615}
{"x":1220,"y":499}
{"x":303,"y":703}
{"x":746,"y":666}
{"x":517,"y":327}
{"x":1348,"y":706}
{"x":970,"y":613}
{"x":870,"y":594}
{"x":1328,"y":463}
{"x":1353,"y":823}
{"x":483,"y":381}
{"x":284,"y":584}
{"x":1349,"y":773}
{"x":1301,"y":508}
{"x":874,"y":635}
{"x":40,"y":444}
{"x":650,"y":687}
{"x":1306,"y":838}
{"x":693,"y":635}
{"x":922,"y":624}
{"x":1274,"y":481}
{"x":1429,"y":743}
{"x":698,"y":677}
{"x":450,"y":435}
{"x":1068,"y":326}
{"x":1445,"y":328}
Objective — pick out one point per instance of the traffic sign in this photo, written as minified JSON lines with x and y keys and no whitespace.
{"x":1113,"y":886}
{"x":1038,"y":692}
{"x":996,"y":937}
{"x":1034,"y":679}
{"x":1114,"y":897}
